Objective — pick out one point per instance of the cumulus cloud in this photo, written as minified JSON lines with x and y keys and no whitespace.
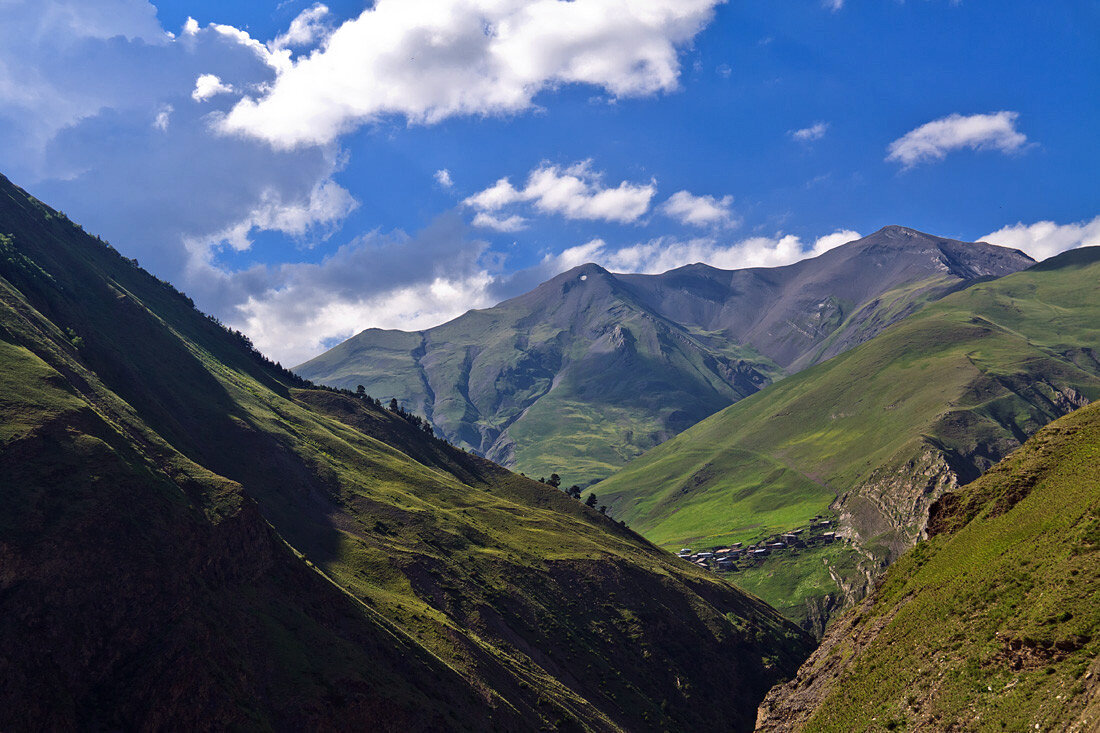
{"x":97,"y":118}
{"x":513,"y":223}
{"x":500,"y":194}
{"x":305,"y":30}
{"x":207,"y":86}
{"x":1045,"y":238}
{"x":443,"y":178}
{"x":700,"y":211}
{"x":667,"y":253}
{"x":575,"y":192}
{"x":934,"y":140}
{"x":295,"y":310}
{"x":427,"y":60}
{"x":326,"y":205}
{"x":815,"y":131}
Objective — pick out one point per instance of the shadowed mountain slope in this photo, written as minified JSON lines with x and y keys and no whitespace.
{"x":874,"y":435}
{"x":992,"y":624}
{"x":192,"y":534}
{"x":592,"y":368}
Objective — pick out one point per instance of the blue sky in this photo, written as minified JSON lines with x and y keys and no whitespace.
{"x":284,"y":164}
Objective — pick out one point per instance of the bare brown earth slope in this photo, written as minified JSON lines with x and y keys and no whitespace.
{"x":191,"y":537}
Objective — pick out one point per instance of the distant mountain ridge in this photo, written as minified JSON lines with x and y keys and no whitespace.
{"x":591,"y":368}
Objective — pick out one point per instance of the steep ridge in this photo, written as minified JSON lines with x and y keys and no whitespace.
{"x":191,"y":533}
{"x":873,"y":436}
{"x":803,"y":313}
{"x":992,"y":624}
{"x":591,"y":368}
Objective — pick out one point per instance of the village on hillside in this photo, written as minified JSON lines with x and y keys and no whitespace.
{"x":735,"y":557}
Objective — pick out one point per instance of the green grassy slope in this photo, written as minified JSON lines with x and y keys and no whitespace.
{"x":887,"y":426}
{"x":992,"y":624}
{"x":182,"y":513}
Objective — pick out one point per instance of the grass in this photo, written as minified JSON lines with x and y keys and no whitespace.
{"x":786,"y":580}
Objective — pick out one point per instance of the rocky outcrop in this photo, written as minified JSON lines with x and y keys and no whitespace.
{"x":891,"y":507}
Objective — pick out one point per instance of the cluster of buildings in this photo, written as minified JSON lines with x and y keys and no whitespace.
{"x":736,"y":556}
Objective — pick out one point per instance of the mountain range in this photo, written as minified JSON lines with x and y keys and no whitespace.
{"x":592,"y":368}
{"x":195,"y":537}
{"x":872,"y":437}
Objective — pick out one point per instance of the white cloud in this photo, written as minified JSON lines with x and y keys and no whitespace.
{"x":575,"y":192}
{"x":500,"y":194}
{"x":700,"y":211}
{"x":443,"y":178}
{"x":92,"y":115}
{"x":207,"y":86}
{"x":815,"y":131}
{"x":328,"y":204}
{"x":833,"y":5}
{"x":831,"y":241}
{"x":934,"y":140}
{"x":667,"y":253}
{"x":1045,"y":238}
{"x":294,"y":311}
{"x":294,"y":324}
{"x":305,"y":30}
{"x":513,"y":223}
{"x":163,"y":118}
{"x":103,"y":19}
{"x":428,"y":60}
{"x":325,"y":207}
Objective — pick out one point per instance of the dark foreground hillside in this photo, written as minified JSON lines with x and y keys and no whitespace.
{"x":193,"y":538}
{"x":992,"y":624}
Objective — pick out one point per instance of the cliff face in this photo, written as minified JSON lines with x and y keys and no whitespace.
{"x":991,"y":623}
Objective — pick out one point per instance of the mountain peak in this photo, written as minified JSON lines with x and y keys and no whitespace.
{"x":896,"y":230}
{"x":583,"y":272}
